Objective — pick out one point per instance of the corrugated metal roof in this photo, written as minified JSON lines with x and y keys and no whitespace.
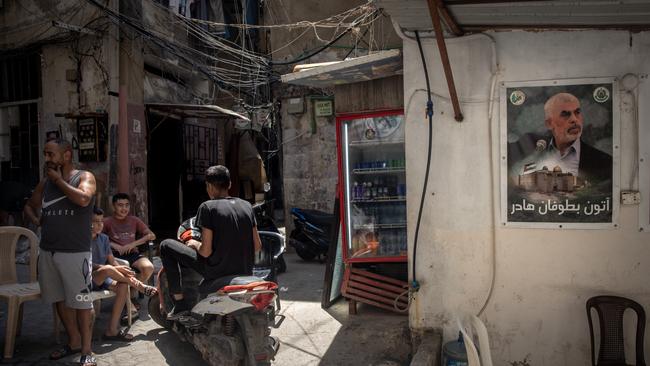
{"x":486,"y":14}
{"x":364,"y":68}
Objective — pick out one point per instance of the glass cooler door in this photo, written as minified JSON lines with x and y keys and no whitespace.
{"x":374,"y":174}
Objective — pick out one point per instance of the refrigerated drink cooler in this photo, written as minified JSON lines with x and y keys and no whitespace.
{"x":372,"y":169}
{"x":374,"y":176}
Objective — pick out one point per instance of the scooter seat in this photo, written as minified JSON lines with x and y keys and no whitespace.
{"x":244,"y":280}
{"x":210,"y":286}
{"x":315,"y":217}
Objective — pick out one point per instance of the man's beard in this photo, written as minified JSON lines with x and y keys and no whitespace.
{"x":574,"y":131}
{"x":51,"y":165}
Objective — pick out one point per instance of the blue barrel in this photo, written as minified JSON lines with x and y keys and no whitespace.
{"x":454,"y":353}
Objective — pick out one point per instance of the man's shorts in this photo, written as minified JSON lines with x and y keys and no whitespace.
{"x":66,"y":277}
{"x":104,"y":285}
{"x":131,"y":257}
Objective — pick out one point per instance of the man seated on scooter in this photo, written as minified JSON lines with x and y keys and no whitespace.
{"x":229,"y":240}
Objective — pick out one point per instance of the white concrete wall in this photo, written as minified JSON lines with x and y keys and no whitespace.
{"x":543,"y":277}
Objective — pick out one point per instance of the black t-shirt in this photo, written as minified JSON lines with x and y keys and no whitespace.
{"x":231,"y":221}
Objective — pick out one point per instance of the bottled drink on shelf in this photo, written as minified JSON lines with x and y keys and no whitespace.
{"x":401,"y":190}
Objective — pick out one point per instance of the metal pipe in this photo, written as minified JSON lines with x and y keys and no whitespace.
{"x":444,"y":56}
{"x":449,"y":19}
{"x":112,"y":50}
{"x":123,"y":144}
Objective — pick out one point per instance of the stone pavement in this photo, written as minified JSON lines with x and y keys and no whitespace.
{"x":309,"y":335}
{"x":313,"y":336}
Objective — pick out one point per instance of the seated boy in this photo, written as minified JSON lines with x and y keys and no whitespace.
{"x":109,"y":275}
{"x":123,"y":230}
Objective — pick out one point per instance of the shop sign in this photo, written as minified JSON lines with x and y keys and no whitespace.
{"x":323,"y":108}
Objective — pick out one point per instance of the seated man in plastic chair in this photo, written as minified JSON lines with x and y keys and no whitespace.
{"x":126,"y":233}
{"x":110,"y":275}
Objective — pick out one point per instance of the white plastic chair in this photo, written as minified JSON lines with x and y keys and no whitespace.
{"x":11,"y":291}
{"x":475,"y":332}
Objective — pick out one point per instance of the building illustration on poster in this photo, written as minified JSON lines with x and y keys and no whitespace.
{"x":559,"y":147}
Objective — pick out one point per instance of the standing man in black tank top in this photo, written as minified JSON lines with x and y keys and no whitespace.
{"x":62,"y":204}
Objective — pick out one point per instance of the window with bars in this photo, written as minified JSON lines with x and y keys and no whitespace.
{"x":22,"y":164}
{"x":20,"y":77}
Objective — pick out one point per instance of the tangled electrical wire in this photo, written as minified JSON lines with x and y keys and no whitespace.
{"x":44,"y":30}
{"x":230,"y":66}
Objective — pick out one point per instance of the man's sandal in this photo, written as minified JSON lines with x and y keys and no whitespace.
{"x":87,"y":360}
{"x":121,"y":336}
{"x":143,"y":288}
{"x":64,"y":351}
{"x":149,"y":290}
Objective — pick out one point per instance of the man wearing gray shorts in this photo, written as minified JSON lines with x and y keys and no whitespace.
{"x":62,"y":204}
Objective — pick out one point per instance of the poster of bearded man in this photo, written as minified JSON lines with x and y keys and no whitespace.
{"x":560,"y":153}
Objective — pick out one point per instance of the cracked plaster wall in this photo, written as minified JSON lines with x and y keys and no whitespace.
{"x":310,"y":165}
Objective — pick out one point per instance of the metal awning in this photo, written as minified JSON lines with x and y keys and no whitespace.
{"x":464,"y":16}
{"x":467,"y":16}
{"x":364,"y":68}
{"x":193,"y":110}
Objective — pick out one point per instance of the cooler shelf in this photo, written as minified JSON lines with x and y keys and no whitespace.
{"x":378,"y":170}
{"x":381,"y":200}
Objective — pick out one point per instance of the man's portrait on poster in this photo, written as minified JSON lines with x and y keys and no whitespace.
{"x":559,"y":153}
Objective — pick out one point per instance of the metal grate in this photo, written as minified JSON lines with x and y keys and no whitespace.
{"x":201,"y":150}
{"x":23,"y":137}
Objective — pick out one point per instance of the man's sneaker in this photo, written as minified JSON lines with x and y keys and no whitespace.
{"x":180,"y":308}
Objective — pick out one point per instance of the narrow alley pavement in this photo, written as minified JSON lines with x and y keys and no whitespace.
{"x":309,"y":334}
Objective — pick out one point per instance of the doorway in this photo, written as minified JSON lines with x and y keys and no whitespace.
{"x":178,"y":155}
{"x":19,"y":159}
{"x":165,"y":169}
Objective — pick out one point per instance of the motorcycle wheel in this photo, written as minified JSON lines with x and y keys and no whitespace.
{"x":296,"y":236}
{"x":156,"y":315}
{"x":305,"y":255}
{"x":281,"y":264}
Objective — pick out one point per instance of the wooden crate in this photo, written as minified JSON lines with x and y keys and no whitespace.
{"x":373,"y":289}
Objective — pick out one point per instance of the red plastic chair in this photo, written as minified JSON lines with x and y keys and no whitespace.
{"x":610,"y":311}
